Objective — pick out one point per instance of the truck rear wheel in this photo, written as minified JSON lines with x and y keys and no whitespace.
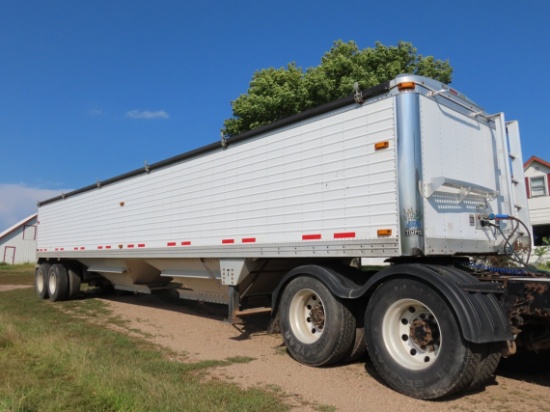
{"x":41,"y":280}
{"x":317,"y":328}
{"x":74,"y":284}
{"x":58,"y":283}
{"x":415,"y":342}
{"x":487,"y":366}
{"x":358,"y":349}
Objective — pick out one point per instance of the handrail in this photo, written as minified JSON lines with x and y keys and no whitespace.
{"x":443,"y":93}
{"x":464,"y":188}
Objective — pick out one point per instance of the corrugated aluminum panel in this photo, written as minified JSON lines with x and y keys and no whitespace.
{"x":319,"y":179}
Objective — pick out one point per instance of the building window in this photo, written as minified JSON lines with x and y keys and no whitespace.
{"x":539,"y":233}
{"x":29,"y":233}
{"x":538,"y":188}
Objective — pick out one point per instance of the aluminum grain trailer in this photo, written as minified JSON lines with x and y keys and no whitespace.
{"x":411,"y":171}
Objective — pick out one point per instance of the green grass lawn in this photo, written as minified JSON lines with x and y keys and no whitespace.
{"x":17,"y":274}
{"x":62,"y":357}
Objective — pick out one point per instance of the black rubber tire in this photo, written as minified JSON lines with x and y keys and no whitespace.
{"x":359,"y":349}
{"x":487,"y":366}
{"x":41,"y":280}
{"x":315,"y":342}
{"x":58,"y":283}
{"x":74,"y":284}
{"x":422,"y":369}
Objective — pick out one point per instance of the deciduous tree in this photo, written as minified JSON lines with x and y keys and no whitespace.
{"x":277,"y":93}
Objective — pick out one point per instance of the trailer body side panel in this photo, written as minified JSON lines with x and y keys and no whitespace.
{"x":318,"y":181}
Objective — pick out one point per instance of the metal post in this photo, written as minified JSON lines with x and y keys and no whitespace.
{"x":233,"y":306}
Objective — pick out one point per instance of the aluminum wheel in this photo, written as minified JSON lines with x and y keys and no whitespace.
{"x":317,"y":328}
{"x":307,"y":316}
{"x":40,"y":282}
{"x":52,"y":287}
{"x":58,"y":282}
{"x":414,"y":339}
{"x":412,"y":334}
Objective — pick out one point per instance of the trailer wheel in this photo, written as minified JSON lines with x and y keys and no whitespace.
{"x":415,"y":342}
{"x":41,"y":280}
{"x":359,"y":349}
{"x":317,"y":328}
{"x":58,"y":283}
{"x":74,"y":284}
{"x":487,"y":366}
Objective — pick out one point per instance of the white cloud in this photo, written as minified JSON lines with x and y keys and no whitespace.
{"x":18,"y":201}
{"x":146,"y":114}
{"x":95,"y":112}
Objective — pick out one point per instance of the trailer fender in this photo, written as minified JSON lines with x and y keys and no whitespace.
{"x":480,"y":316}
{"x":337,"y":280}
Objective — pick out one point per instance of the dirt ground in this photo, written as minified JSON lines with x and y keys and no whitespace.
{"x":4,"y":288}
{"x":198,"y":331}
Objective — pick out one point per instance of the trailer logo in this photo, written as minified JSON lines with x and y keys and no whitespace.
{"x":412,"y":222}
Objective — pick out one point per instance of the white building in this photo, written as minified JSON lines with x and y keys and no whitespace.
{"x":18,"y":243}
{"x":537,"y":180}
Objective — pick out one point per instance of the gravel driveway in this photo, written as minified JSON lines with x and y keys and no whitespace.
{"x":199,"y":332}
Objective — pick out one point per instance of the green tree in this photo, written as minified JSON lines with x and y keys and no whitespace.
{"x":274,"y":94}
{"x":541,"y":251}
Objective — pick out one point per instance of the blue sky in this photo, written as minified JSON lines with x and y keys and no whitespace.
{"x":91,"y":90}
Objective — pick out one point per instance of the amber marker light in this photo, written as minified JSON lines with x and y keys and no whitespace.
{"x":406,"y":86}
{"x":384,"y":232}
{"x":381,"y":145}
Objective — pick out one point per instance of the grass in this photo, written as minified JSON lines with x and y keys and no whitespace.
{"x":17,"y":274}
{"x":69,"y":360}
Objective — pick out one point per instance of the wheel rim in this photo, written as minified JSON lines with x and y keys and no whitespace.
{"x":52,"y":284}
{"x":412,"y":334}
{"x":39,"y":281}
{"x":307,"y":316}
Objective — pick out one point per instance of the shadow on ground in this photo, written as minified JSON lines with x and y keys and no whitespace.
{"x":527,"y":367}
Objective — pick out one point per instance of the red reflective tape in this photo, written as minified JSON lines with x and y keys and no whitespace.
{"x":226,"y":241}
{"x":186,"y":243}
{"x":171,"y":244}
{"x":130,"y":246}
{"x":107,"y":247}
{"x":344,"y":235}
{"x":141,"y":245}
{"x":311,"y":237}
{"x":249,"y":240}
